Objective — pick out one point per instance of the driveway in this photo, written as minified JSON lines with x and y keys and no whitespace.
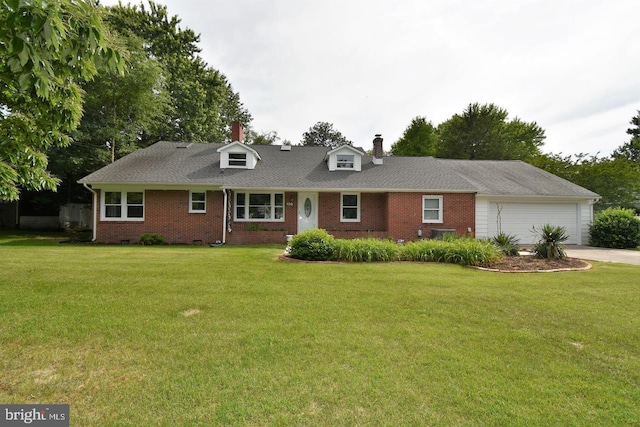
{"x":603,"y":254}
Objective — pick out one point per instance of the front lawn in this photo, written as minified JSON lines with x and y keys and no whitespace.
{"x":176,"y":336}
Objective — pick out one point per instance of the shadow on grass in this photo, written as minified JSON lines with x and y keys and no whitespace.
{"x":13,"y":237}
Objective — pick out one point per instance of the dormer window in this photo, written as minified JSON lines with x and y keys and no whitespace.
{"x":239,"y":156}
{"x":344,"y":158}
{"x":345,"y":161}
{"x":238,"y":160}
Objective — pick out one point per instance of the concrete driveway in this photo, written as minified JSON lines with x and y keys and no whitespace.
{"x":603,"y":254}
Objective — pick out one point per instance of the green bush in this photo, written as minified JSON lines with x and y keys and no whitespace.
{"x":366,"y":250}
{"x":615,"y":228}
{"x":152,"y":239}
{"x":312,"y":245}
{"x":507,"y":243}
{"x":462,"y":251}
{"x":318,"y":245}
{"x":549,"y":244}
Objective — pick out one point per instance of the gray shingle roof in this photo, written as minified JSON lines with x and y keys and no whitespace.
{"x":171,"y":163}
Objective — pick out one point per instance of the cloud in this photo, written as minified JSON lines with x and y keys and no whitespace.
{"x":371,"y":66}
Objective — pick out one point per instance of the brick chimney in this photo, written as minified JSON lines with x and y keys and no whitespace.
{"x":377,"y":150}
{"x":237,"y":133}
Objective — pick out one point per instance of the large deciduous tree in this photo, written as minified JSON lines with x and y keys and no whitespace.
{"x":202,"y":102}
{"x":323,"y":134}
{"x":420,"y":138}
{"x":119,"y":111}
{"x":485,"y":132}
{"x":47,"y":47}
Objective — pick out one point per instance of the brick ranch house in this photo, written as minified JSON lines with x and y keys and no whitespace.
{"x":242,"y":194}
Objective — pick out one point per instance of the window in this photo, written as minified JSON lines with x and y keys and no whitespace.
{"x":350,"y":207}
{"x":431,"y":208}
{"x":122,"y":205}
{"x":259,"y":206}
{"x":238,"y":160}
{"x":344,"y":161}
{"x":197,"y":202}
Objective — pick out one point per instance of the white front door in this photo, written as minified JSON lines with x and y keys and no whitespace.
{"x":307,"y":211}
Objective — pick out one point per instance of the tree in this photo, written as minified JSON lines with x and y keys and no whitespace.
{"x":323,"y":134}
{"x":120,"y":109}
{"x":616,"y":180}
{"x":262,"y":138}
{"x":202,"y":102}
{"x":484,"y":132}
{"x":420,"y":138}
{"x":46,"y":49}
{"x":631,"y":149}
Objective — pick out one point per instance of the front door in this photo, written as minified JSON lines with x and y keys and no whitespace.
{"x":307,"y":211}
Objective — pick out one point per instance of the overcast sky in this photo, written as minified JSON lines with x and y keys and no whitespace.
{"x":370,"y":66}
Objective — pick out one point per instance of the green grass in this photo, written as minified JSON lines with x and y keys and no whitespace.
{"x":178,"y":336}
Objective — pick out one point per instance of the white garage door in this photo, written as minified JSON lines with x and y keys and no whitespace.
{"x":519,"y":218}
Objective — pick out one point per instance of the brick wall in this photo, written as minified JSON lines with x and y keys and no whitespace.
{"x":405,"y":214}
{"x":167,"y":213}
{"x":373,"y":213}
{"x":395,"y":215}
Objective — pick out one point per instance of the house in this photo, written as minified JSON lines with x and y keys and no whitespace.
{"x":241,"y":194}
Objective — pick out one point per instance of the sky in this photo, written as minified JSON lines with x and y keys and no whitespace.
{"x":370,"y":66}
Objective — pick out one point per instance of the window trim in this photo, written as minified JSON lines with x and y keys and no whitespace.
{"x":351,"y":160}
{"x":246,"y":205}
{"x":357,"y":207}
{"x":123,"y":206}
{"x":191,"y":201}
{"x":440,"y":219}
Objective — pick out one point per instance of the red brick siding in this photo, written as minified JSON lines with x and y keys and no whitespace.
{"x":166,"y":212}
{"x":373,"y":213}
{"x":396,"y":215}
{"x":405,"y":214}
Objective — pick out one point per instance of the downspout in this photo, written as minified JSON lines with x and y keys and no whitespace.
{"x":225,"y":209}
{"x":94,"y":216}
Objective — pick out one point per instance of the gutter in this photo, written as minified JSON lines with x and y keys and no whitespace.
{"x":94,"y":216}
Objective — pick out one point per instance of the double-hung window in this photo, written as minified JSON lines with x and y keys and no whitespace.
{"x":345,"y":161}
{"x":350,"y":207}
{"x":431,"y":209}
{"x":260,"y":206}
{"x":122,"y":206}
{"x":237,"y":160}
{"x":197,"y":202}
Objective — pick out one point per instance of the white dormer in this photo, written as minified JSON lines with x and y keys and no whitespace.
{"x":238,"y":156}
{"x":344,"y":158}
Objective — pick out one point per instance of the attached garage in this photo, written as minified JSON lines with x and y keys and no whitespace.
{"x":518,"y":219}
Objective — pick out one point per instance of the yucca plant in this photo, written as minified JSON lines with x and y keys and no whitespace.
{"x":507,"y":243}
{"x":550,"y":242}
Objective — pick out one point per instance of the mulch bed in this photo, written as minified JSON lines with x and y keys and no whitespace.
{"x":529,"y":263}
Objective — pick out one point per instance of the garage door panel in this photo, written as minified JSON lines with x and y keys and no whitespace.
{"x":519,"y":218}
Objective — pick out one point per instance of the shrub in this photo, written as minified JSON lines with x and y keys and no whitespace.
{"x":366,"y":250}
{"x":462,"y":251}
{"x":549,"y":244}
{"x":312,"y":245}
{"x":507,"y":243}
{"x":615,"y":228}
{"x":151,"y":239}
